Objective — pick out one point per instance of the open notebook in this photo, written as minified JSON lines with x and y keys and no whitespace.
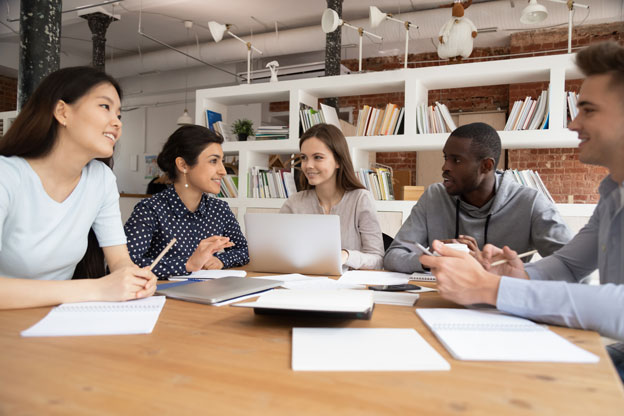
{"x":492,"y":336}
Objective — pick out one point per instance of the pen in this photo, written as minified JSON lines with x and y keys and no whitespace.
{"x":162,"y":253}
{"x":499,"y":262}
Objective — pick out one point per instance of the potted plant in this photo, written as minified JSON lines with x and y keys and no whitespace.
{"x":243,"y":128}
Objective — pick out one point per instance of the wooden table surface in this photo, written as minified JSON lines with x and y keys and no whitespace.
{"x":203,"y":359}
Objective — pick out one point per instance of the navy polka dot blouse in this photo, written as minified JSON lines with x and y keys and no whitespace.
{"x":156,"y":220}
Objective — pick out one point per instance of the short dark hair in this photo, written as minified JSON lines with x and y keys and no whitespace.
{"x":485,"y":143}
{"x":34,"y":131}
{"x":602,"y":59}
{"x":186,"y":142}
{"x":336,"y":142}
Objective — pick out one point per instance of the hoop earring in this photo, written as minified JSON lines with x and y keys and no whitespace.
{"x":185,"y":183}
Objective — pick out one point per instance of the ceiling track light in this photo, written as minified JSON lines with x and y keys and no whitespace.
{"x":217,"y":30}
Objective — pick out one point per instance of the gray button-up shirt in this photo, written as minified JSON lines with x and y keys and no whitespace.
{"x":554,"y":294}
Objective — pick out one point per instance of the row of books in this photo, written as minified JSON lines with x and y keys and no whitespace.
{"x":272,"y":133}
{"x":531,"y":179}
{"x":434,"y":119}
{"x":572,"y":100}
{"x":229,"y":187}
{"x":529,"y":114}
{"x":266,"y":183}
{"x":380,"y":122}
{"x":378,"y":181}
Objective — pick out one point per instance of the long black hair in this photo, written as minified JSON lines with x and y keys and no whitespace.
{"x":34,"y":133}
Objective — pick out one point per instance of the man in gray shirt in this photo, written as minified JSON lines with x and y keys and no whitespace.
{"x":549,"y":289}
{"x":477,"y":205}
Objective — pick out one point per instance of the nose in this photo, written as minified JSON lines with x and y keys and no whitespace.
{"x":446,"y":166}
{"x":575,"y":125}
{"x":221,"y":169}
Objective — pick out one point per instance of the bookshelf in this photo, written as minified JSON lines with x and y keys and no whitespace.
{"x":415,"y":84}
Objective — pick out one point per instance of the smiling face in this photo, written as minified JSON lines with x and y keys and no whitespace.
{"x":92,"y":124}
{"x":318,"y":162}
{"x":206,"y":174}
{"x":600,"y":124}
{"x":461,"y":169}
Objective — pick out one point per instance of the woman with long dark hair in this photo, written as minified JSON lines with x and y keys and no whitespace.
{"x":330,"y":187}
{"x":207,"y":232}
{"x":53,"y":191}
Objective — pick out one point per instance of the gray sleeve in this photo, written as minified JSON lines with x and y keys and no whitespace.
{"x":573,"y":261}
{"x":549,"y":231}
{"x":597,"y":308}
{"x":370,"y":256}
{"x":402,"y":255}
{"x":287,"y":207}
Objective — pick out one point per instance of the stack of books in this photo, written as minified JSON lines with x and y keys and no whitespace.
{"x":380,"y":122}
{"x":272,"y":133}
{"x":529,"y":114}
{"x":434,"y":119}
{"x":572,"y":104}
{"x":531,"y":179}
{"x":219,"y":128}
{"x":378,"y":181}
{"x":270,"y":183}
{"x":229,"y":187}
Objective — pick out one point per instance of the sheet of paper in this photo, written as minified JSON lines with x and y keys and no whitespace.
{"x":315,"y":300}
{"x":368,"y":277}
{"x":395,"y":298}
{"x":99,"y":318}
{"x":320,"y":283}
{"x":238,"y":299}
{"x":294,"y":277}
{"x":363,"y":349}
{"x":211,"y":274}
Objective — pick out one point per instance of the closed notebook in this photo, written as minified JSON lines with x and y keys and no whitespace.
{"x":99,"y":318}
{"x":492,"y":336}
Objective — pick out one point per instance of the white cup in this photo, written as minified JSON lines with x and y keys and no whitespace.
{"x":458,"y":247}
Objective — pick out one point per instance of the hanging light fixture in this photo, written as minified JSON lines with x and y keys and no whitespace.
{"x":217,"y":30}
{"x":377,"y":17}
{"x":330,"y":21}
{"x":536,"y":13}
{"x":185,"y":118}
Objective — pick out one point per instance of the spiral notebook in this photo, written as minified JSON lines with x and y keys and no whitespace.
{"x":99,"y":318}
{"x":493,"y":336}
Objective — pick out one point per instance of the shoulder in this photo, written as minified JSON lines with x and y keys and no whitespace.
{"x":99,"y":173}
{"x":301,"y":197}
{"x":360,"y":198}
{"x":12,"y":168}
{"x":156,"y":202}
{"x":216,"y":204}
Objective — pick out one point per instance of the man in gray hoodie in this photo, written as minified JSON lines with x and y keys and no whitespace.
{"x":477,"y":205}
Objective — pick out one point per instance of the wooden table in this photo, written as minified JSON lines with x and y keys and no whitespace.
{"x":221,"y":360}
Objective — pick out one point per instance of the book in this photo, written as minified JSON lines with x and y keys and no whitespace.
{"x":99,"y":318}
{"x":211,"y":118}
{"x":478,"y":335}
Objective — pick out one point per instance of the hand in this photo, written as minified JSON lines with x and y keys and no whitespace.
{"x":344,"y":255}
{"x":205,"y":251}
{"x":512,"y":268}
{"x":460,"y":277}
{"x":131,"y":282}
{"x":213,"y":264}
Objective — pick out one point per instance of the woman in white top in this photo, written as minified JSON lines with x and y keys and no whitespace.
{"x":330,"y":187}
{"x":53,"y":191}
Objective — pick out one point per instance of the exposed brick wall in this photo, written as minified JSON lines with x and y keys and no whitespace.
{"x":8,"y":93}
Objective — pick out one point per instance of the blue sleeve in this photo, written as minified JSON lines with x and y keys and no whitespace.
{"x":239,"y":254}
{"x":107,"y":224}
{"x":140,"y":229}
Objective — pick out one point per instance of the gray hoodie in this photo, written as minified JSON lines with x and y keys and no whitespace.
{"x":518,"y":216}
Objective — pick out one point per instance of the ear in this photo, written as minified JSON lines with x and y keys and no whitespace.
{"x":61,"y":112}
{"x":487,"y":165}
{"x":181,"y":165}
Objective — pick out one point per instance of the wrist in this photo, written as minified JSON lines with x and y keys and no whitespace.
{"x":491,"y":294}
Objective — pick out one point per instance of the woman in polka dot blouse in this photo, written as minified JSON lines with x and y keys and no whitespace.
{"x":209,"y":237}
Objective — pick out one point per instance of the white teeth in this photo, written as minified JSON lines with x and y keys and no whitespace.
{"x":110,"y":136}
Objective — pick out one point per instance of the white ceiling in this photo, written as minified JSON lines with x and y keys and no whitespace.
{"x":163,"y":19}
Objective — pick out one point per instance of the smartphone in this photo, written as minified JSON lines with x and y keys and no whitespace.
{"x":423,"y":250}
{"x":394,"y":288}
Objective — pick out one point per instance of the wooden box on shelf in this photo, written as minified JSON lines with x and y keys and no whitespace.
{"x":412,"y":193}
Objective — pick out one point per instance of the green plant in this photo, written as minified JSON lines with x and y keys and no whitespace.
{"x":243,"y":126}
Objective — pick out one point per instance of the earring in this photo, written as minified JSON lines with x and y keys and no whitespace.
{"x":185,"y":183}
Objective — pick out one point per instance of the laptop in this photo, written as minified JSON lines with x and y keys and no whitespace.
{"x":294,"y":243}
{"x":216,"y":290}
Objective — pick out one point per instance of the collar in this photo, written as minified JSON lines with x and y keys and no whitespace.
{"x":607,"y":186}
{"x":178,"y":207}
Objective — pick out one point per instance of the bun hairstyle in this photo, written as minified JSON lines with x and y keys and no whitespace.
{"x":186,"y":142}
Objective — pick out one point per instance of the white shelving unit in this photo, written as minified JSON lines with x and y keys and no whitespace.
{"x":415,"y":84}
{"x":7,"y":118}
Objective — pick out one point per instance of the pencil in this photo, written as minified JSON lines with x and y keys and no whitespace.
{"x":162,"y":253}
{"x":499,"y":262}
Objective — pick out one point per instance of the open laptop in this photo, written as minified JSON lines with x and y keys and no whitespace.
{"x":294,"y":243}
{"x":216,"y":290}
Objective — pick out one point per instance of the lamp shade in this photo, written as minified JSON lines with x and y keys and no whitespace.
{"x":376,"y":16}
{"x":330,"y":21}
{"x":533,"y":13}
{"x":216,"y":30}
{"x":185,"y":118}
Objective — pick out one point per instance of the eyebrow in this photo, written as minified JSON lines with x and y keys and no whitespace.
{"x":215,"y":155}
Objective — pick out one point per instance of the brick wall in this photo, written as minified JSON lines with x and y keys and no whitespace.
{"x":8,"y":93}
